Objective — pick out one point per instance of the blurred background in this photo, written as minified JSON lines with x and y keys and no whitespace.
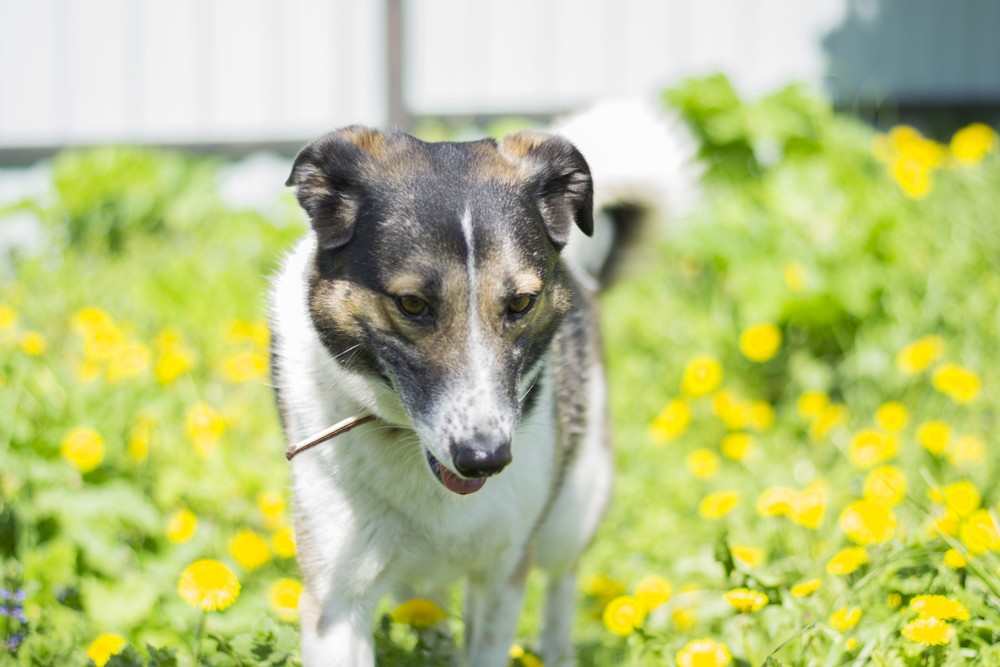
{"x":237,"y":75}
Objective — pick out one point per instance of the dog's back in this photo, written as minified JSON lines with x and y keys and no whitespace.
{"x":432,"y":295}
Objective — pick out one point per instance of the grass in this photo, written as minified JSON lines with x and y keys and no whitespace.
{"x":872,"y":260}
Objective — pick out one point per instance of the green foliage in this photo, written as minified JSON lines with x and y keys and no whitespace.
{"x":107,"y":195}
{"x":151,"y":328}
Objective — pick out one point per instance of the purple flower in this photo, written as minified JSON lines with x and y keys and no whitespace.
{"x":14,"y":641}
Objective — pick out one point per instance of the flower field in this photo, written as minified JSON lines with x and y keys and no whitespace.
{"x":804,"y":388}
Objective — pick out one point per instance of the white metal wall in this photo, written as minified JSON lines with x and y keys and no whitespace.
{"x":177,"y":71}
{"x":190,"y":71}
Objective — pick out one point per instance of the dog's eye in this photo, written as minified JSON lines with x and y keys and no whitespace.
{"x":411,"y":305}
{"x":520,"y":304}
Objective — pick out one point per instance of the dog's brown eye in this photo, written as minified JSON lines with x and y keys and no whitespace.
{"x":520,"y":304}
{"x":411,"y":305}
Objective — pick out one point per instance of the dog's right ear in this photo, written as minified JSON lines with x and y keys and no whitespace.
{"x":327,"y":175}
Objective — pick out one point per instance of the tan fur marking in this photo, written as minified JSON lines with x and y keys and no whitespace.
{"x":370,"y":141}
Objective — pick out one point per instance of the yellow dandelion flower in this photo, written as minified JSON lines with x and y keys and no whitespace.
{"x":731,"y":409}
{"x":88,"y":370}
{"x":961,"y":498}
{"x":912,"y":176}
{"x":960,"y":384}
{"x":653,"y":591}
{"x":750,"y":557}
{"x":140,"y":438}
{"x":885,"y":485}
{"x":845,"y":618}
{"x":737,"y":446}
{"x":419,"y":613}
{"x":32,"y":343}
{"x":806,"y":588}
{"x":811,"y":404}
{"x":831,"y":418}
{"x":244,"y":366}
{"x":103,"y":344}
{"x":919,"y":354}
{"x":623,"y":615}
{"x":939,"y":606}
{"x":172,"y":362}
{"x":90,"y":319}
{"x":205,"y":427}
{"x":967,"y":451}
{"x":929,"y":631}
{"x":249,"y":549}
{"x":934,"y":436}
{"x":284,"y":597}
{"x":181,"y":526}
{"x":209,"y":585}
{"x":809,"y":507}
{"x":128,"y":361}
{"x":717,"y":505}
{"x":672,"y":421}
{"x":760,"y":342}
{"x":684,"y":618}
{"x":979,"y":533}
{"x":703,"y":653}
{"x":852,"y":644}
{"x":796,"y":277}
{"x":272,"y":507}
{"x":891,"y":416}
{"x":603,"y":588}
{"x":869,"y":448}
{"x":760,"y":415}
{"x":244,"y":331}
{"x":908,"y":141}
{"x":702,"y":463}
{"x":104,"y":646}
{"x":701,"y":376}
{"x":946,"y":524}
{"x":775,"y":501}
{"x":847,"y":560}
{"x":746,"y":600}
{"x":893,"y":600}
{"x":954,"y":559}
{"x":867,"y":522}
{"x":283,"y":541}
{"x":972,"y":143}
{"x":522,"y":658}
{"x":83,"y":447}
{"x":8,"y":317}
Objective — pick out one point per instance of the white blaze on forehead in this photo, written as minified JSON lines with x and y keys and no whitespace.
{"x":480,"y":388}
{"x":480,"y":371}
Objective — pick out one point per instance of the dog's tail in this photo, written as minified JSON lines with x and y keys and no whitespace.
{"x":646,"y":181}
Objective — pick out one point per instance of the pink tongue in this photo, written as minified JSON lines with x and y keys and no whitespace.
{"x":453,"y":482}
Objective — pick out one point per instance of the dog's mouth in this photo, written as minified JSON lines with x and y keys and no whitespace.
{"x":453,"y":482}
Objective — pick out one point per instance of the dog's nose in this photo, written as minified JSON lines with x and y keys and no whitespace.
{"x":481,"y":459}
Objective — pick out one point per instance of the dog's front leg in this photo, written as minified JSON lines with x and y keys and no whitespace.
{"x":492,"y":607}
{"x":337,"y":633}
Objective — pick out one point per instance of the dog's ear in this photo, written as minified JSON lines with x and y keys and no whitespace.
{"x":561,"y":178}
{"x":328,"y":174}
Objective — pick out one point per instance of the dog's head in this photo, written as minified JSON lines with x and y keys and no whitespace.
{"x":437,"y":275}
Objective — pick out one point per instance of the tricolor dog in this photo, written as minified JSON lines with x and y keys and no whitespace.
{"x":432,"y":292}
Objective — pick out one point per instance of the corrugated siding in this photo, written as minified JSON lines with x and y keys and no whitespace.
{"x":80,"y":71}
{"x":186,"y":70}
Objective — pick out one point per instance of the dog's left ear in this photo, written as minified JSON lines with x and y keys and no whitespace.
{"x":561,"y":177}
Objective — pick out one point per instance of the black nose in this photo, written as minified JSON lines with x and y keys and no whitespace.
{"x":480,"y":458}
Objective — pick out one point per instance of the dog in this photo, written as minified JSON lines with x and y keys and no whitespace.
{"x":438,"y":292}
